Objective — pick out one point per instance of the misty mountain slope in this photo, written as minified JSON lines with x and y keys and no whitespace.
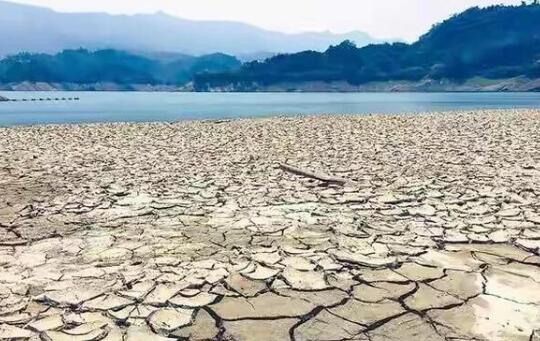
{"x":109,"y":66}
{"x":495,"y":43}
{"x":36,"y":29}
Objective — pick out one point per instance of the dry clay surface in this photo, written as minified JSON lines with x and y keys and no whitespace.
{"x":193,"y":231}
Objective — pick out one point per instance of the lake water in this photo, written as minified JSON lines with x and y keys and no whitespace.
{"x":141,"y":106}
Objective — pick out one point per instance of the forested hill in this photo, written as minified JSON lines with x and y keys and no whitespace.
{"x":494,"y":43}
{"x":499,"y":44}
{"x":83,"y":67}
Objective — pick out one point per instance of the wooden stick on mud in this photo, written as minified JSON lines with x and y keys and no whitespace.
{"x":316,"y":176}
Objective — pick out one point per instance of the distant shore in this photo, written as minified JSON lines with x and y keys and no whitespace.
{"x":517,"y":84}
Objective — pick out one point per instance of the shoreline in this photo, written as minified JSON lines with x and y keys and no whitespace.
{"x":288,"y":92}
{"x":276,"y":117}
{"x":285,"y":91}
{"x":476,"y":84}
{"x":195,"y":229}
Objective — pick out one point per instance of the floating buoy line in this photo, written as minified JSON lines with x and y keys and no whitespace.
{"x":42,"y":99}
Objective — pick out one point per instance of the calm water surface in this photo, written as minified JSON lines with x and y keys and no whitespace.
{"x":140,"y":106}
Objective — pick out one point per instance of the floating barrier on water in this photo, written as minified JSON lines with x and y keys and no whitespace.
{"x":4,"y":99}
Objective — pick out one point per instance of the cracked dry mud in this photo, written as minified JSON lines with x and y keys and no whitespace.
{"x":192,"y":231}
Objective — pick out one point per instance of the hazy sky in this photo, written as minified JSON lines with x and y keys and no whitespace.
{"x":405,"y":19}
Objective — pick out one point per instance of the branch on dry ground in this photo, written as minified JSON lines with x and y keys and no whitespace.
{"x":312,"y":175}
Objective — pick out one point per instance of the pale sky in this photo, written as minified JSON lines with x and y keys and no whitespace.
{"x":404,"y":19}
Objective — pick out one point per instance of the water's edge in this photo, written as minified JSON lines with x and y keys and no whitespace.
{"x":95,"y":107}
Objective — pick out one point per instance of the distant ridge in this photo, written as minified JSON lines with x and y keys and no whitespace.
{"x":482,"y":49}
{"x":107,"y":69}
{"x":39,"y":29}
{"x":485,"y":44}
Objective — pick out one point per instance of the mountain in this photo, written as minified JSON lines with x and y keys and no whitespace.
{"x":494,"y":48}
{"x":498,"y":42}
{"x":110,"y":66}
{"x":37,"y":29}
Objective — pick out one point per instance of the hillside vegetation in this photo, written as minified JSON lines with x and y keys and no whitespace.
{"x":495,"y":43}
{"x":494,"y":48}
{"x":83,"y":66}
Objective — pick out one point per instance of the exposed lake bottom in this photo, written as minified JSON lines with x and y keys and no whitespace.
{"x":389,"y":227}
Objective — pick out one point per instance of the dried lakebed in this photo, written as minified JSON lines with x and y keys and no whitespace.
{"x":193,"y":230}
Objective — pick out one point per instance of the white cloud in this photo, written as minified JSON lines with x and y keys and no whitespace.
{"x":405,"y":19}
